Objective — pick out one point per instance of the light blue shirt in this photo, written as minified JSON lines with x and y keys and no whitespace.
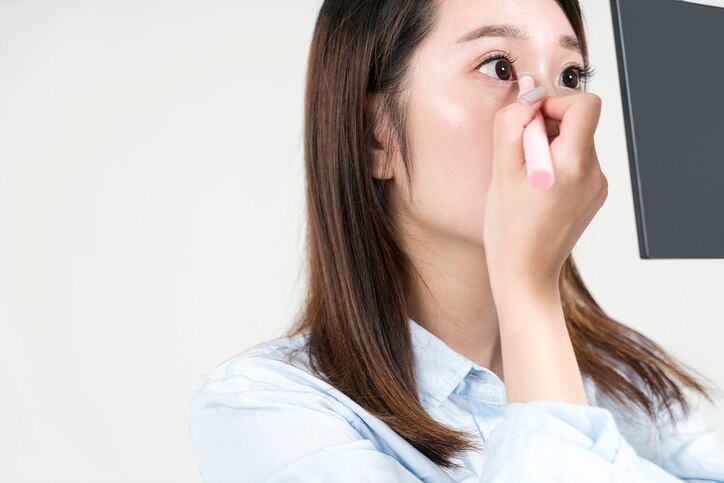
{"x":258,"y":419}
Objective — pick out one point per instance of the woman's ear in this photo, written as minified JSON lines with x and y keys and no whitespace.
{"x":379,"y":141}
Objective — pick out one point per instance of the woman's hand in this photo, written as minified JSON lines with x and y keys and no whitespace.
{"x":528,"y":234}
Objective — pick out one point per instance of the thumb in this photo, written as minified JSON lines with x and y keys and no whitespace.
{"x":509,"y":124}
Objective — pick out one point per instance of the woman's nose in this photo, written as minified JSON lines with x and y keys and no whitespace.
{"x":537,"y":80}
{"x":552,"y":126}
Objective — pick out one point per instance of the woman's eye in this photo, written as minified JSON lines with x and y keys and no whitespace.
{"x":574,"y":76}
{"x":500,"y":66}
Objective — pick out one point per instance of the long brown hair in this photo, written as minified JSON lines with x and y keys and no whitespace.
{"x":355,"y":312}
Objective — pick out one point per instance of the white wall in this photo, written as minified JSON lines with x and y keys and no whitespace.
{"x":151,"y":223}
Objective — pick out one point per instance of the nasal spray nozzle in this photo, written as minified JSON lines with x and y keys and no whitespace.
{"x":539,"y":165}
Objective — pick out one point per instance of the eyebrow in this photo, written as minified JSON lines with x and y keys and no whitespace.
{"x":569,"y":42}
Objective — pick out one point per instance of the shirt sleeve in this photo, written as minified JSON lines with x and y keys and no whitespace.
{"x":542,"y":441}
{"x":250,"y":431}
{"x":691,"y":450}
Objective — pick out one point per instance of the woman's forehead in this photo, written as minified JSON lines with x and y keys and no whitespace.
{"x":521,"y":20}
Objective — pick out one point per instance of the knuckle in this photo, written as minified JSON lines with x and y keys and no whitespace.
{"x":602,"y":179}
{"x":594,"y":99}
{"x":602,"y":187}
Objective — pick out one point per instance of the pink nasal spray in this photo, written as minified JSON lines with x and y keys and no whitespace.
{"x":535,"y":144}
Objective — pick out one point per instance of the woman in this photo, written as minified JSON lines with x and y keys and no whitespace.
{"x":447,"y":335}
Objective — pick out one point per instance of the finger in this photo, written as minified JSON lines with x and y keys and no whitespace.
{"x":552,"y":127}
{"x":508,"y":126}
{"x":554,"y":107}
{"x":578,"y":115}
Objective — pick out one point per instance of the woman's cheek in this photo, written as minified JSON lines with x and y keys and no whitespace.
{"x":493,"y":97}
{"x":452,"y":137}
{"x":476,"y":136}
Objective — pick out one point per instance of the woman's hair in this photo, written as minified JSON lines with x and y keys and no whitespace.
{"x":355,"y":312}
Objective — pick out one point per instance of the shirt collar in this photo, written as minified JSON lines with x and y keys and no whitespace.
{"x":438,"y":367}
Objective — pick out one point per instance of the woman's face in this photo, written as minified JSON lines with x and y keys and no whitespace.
{"x":453,"y":101}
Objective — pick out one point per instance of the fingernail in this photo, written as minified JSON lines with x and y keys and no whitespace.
{"x":534,"y":95}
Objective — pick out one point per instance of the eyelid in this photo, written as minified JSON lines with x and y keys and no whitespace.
{"x":585,"y":70}
{"x":490,"y":55}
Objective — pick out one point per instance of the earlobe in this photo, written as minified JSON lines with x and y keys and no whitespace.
{"x":378,"y":140}
{"x":380,"y":151}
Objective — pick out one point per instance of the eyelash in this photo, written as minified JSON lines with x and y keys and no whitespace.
{"x":584,"y":73}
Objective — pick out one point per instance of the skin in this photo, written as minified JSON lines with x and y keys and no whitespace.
{"x":463,"y":125}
